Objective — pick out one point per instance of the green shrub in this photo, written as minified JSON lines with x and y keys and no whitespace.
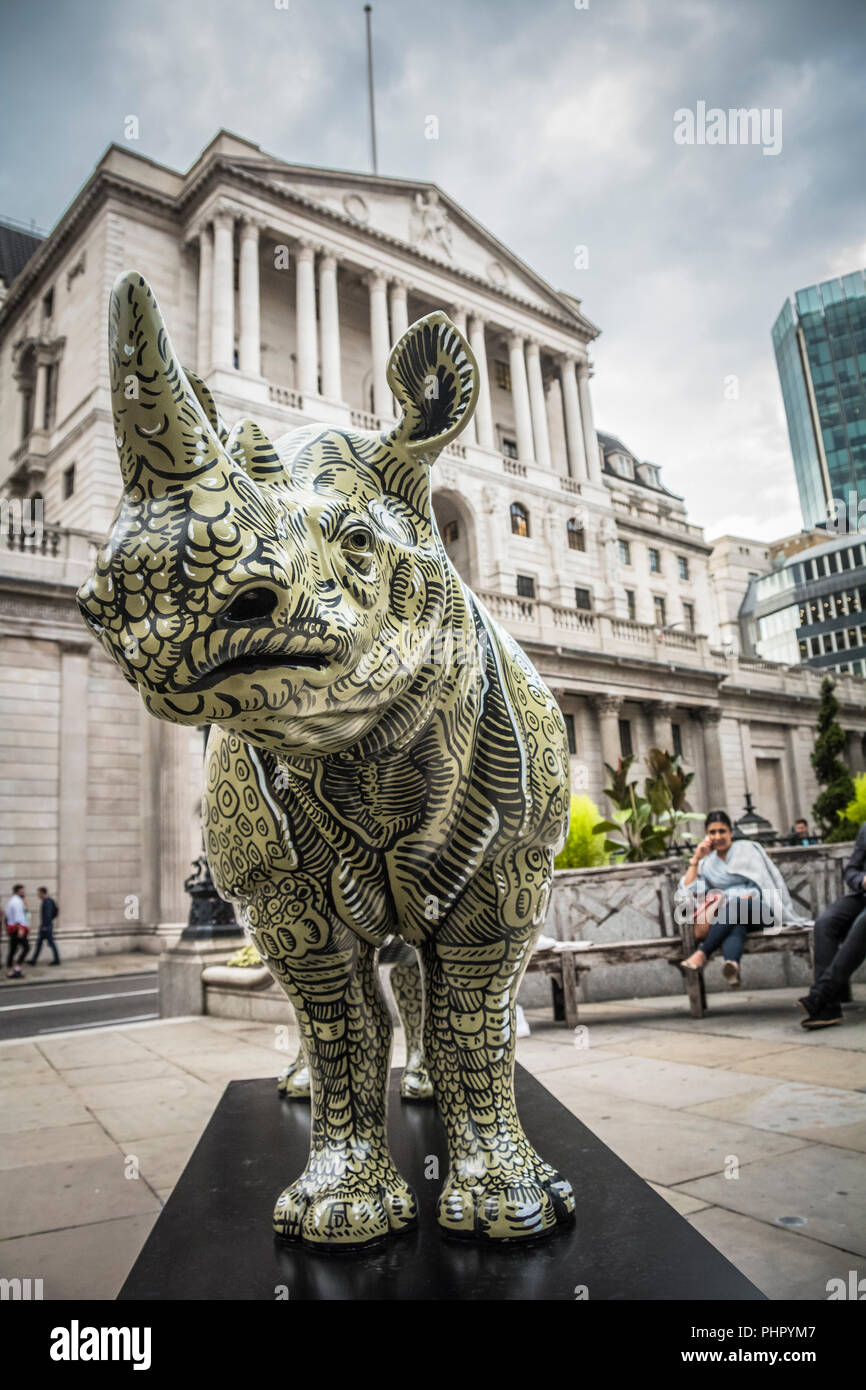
{"x":582,"y":849}
{"x":855,"y":811}
{"x":246,"y":958}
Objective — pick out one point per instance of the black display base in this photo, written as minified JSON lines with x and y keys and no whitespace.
{"x":213,"y":1240}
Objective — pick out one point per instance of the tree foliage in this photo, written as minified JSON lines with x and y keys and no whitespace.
{"x":831,"y":772}
{"x":648,"y":821}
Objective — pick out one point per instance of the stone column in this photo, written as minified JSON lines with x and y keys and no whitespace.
{"x":853,"y":752}
{"x":379,"y":345}
{"x":590,"y":438}
{"x":537,"y":403}
{"x":41,"y":393}
{"x":661,"y":713}
{"x":520,"y":397}
{"x":571,"y":410}
{"x":329,"y":314}
{"x":483,"y":411}
{"x":608,"y":708}
{"x":223,"y":304}
{"x":457,"y":314}
{"x":399,"y":309}
{"x":174,"y":821}
{"x":716,"y":786}
{"x":305,"y":314}
{"x":205,"y":299}
{"x":249,"y":344}
{"x":73,"y":835}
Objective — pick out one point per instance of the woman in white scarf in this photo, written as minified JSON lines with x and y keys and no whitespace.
{"x":734,"y":887}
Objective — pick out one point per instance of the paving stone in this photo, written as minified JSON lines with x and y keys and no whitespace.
{"x":76,"y":1050}
{"x":143,"y":1070}
{"x":145,"y":1092}
{"x":708,"y":1050}
{"x":542,"y":1057}
{"x":843,"y":1136}
{"x":679,"y":1200}
{"x":163,"y":1158}
{"x":781,"y":1263}
{"x":823,"y":1184}
{"x":52,"y":1196}
{"x":42,"y":1107}
{"x":791,"y":1108}
{"x":128,"y":1123}
{"x":36,"y":1147}
{"x":663,"y":1146}
{"x":672,"y":1084}
{"x":79,"y":1262}
{"x":829,"y":1066}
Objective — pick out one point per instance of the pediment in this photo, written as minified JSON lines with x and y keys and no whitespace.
{"x":424,"y":219}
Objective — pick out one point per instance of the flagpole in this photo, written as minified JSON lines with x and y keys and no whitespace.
{"x":368,"y":9}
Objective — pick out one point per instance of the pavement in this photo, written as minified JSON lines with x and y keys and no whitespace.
{"x":751,"y":1128}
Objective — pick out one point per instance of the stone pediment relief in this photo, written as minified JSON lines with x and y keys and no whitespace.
{"x":427,"y":222}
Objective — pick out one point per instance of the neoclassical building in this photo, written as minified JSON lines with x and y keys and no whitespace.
{"x":284,"y":286}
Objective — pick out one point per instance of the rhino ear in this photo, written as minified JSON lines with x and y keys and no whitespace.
{"x":208,"y":404}
{"x":433,"y":374}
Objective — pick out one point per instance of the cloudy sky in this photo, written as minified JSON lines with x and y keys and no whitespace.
{"x":556,"y":130}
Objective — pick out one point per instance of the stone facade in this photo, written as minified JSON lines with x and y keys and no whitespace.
{"x":284,"y":287}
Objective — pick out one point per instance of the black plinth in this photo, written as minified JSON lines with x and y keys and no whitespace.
{"x":213,"y":1239}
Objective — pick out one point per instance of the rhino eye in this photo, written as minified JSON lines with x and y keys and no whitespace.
{"x":359,"y":539}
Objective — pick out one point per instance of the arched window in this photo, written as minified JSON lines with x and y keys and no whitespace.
{"x":576,"y":538}
{"x":519,"y":519}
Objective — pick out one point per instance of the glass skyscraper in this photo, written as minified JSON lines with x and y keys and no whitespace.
{"x":820,"y":344}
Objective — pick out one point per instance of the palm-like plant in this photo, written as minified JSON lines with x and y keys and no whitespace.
{"x":650,"y":820}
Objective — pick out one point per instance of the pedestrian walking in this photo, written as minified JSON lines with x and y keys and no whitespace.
{"x":18,"y":929}
{"x":47,"y":917}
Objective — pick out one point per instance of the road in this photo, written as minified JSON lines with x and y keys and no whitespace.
{"x":35,"y":1010}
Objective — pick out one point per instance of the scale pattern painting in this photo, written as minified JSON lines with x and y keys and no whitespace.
{"x":383,"y":759}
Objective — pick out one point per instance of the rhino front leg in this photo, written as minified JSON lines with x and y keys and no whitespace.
{"x":409,"y":996}
{"x":498,"y":1187}
{"x":350,"y":1193}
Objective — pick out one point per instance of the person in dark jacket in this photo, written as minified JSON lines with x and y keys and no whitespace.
{"x":47,"y":914}
{"x":840,"y":944}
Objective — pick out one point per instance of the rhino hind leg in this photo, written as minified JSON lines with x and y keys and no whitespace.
{"x":293,"y":1082}
{"x":498,"y":1187}
{"x":416,"y":1083}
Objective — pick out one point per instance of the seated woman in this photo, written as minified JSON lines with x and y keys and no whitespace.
{"x":731,"y":887}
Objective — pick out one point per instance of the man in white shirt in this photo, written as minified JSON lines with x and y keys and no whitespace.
{"x":17,"y":926}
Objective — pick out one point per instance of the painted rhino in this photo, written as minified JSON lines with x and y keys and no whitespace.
{"x":383,"y":759}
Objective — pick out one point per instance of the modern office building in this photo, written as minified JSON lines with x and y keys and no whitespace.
{"x":284,"y":287}
{"x":820,"y":344}
{"x":811,"y":608}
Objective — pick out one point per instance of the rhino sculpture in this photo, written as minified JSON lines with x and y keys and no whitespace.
{"x":383,"y":760}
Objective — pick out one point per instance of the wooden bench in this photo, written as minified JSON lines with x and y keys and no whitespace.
{"x":568,"y":960}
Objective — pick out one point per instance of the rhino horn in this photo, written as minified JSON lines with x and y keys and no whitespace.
{"x":165,"y":431}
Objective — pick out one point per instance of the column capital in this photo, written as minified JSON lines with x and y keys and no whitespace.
{"x":533,"y":345}
{"x":478,"y":321}
{"x":251,"y":222}
{"x":195,"y":231}
{"x":708,"y":715}
{"x":657,"y":706}
{"x":584,"y":368}
{"x":607,"y":704}
{"x":328,"y":258}
{"x":399,"y":285}
{"x":515,"y":340}
{"x":376,"y":279}
{"x":305,"y":248}
{"x":566,"y":361}
{"x":224,"y":219}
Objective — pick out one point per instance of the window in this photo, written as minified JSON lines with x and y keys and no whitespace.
{"x":677,"y":738}
{"x":509,"y":448}
{"x":624,"y":553}
{"x":525,"y":586}
{"x":68,"y":481}
{"x":630,"y":601}
{"x":576,"y":538}
{"x":660,"y":611}
{"x":48,"y":304}
{"x":625,"y":746}
{"x":689,"y":616}
{"x":683,"y":566}
{"x":519,"y":519}
{"x":655,"y":561}
{"x":48,"y":413}
{"x":583,"y":599}
{"x":569,"y":732}
{"x":450,"y":532}
{"x":502,"y":375}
